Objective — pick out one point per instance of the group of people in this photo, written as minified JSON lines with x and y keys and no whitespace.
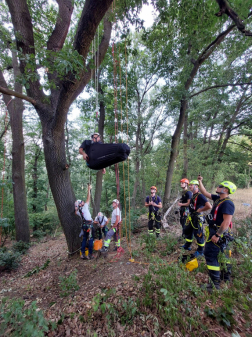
{"x":87,"y":229}
{"x":193,"y":205}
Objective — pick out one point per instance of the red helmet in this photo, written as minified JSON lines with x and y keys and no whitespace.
{"x":153,"y":188}
{"x":184,"y":180}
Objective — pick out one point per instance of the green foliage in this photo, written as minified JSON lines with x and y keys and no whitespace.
{"x":68,"y":284}
{"x":9,"y":260}
{"x":150,"y":242}
{"x":39,"y":234}
{"x":18,"y":320}
{"x":37,"y":269}
{"x":20,"y":247}
{"x":44,"y":221}
{"x":224,"y":315}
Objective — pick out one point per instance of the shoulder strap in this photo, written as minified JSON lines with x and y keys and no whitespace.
{"x":217,"y":203}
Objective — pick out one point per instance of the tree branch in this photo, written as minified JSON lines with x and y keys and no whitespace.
{"x":220,"y":86}
{"x":246,"y":148}
{"x":226,"y":9}
{"x":6,"y":91}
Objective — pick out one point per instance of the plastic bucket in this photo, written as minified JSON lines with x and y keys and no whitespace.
{"x":98,"y":244}
{"x":192,"y":264}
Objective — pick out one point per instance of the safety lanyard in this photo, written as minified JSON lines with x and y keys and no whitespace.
{"x":217,"y":207}
{"x":195,"y":201}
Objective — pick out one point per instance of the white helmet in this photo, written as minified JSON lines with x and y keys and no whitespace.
{"x":100,"y":214}
{"x":95,"y":133}
{"x":116,"y":201}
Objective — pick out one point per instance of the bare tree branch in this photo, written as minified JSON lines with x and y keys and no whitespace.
{"x":226,"y":9}
{"x":220,"y":86}
{"x":17,"y":94}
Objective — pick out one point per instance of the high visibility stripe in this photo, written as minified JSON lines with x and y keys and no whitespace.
{"x":201,"y":244}
{"x":107,"y":242}
{"x":157,"y":230}
{"x":213,"y":268}
{"x":189,"y":240}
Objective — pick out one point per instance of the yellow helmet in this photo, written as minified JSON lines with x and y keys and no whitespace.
{"x":230,"y":186}
{"x":194,"y":182}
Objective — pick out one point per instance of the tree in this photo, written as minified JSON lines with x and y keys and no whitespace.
{"x":66,"y":80}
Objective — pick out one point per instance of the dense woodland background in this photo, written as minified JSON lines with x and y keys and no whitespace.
{"x":181,"y":89}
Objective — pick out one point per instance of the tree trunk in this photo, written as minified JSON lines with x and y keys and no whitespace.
{"x":183,"y":106}
{"x":185,"y":139}
{"x":15,"y":109}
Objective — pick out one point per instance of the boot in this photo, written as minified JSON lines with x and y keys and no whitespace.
{"x":186,"y":247}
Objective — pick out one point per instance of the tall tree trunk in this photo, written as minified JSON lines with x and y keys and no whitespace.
{"x":183,"y":106}
{"x":15,"y":108}
{"x":185,"y":139}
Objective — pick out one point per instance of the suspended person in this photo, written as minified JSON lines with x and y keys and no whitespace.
{"x":195,"y":219}
{"x":154,"y":203}
{"x":101,"y":221}
{"x":218,"y":232}
{"x":87,"y":229}
{"x":99,"y":155}
{"x":84,"y":149}
{"x":116,"y":219}
{"x":184,"y":202}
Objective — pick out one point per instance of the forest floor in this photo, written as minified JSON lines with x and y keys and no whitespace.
{"x":152,"y":296}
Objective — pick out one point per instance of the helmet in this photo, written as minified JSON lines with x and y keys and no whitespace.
{"x":116,"y":201}
{"x":100,"y":214}
{"x":95,"y":133}
{"x":230,"y":186}
{"x":194,"y":182}
{"x":77,"y":203}
{"x":153,"y":188}
{"x":184,"y":180}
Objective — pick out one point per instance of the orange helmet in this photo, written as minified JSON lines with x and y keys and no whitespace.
{"x":153,"y":188}
{"x":184,"y":180}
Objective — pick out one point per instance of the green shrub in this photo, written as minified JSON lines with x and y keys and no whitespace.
{"x":20,"y":247}
{"x":68,"y":284}
{"x":39,"y":234}
{"x":9,"y":260}
{"x":45,"y":221}
{"x":20,"y":321}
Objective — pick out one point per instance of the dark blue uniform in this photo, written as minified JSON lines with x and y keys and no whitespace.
{"x":184,"y":210}
{"x":194,"y":222}
{"x":220,"y":207}
{"x":154,"y":215}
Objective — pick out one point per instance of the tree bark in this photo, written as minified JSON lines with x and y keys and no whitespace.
{"x":15,"y":108}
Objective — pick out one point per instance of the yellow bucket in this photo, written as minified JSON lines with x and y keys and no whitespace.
{"x":86,"y":251}
{"x":192,"y":264}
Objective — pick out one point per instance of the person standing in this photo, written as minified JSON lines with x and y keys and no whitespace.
{"x":184,"y":202}
{"x":116,"y":219}
{"x":101,"y":221}
{"x":218,"y":232}
{"x":87,"y":229}
{"x":195,"y":219}
{"x":154,"y":203}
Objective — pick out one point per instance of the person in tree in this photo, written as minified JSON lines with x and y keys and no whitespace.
{"x":101,"y":221}
{"x":85,"y":147}
{"x":87,"y":229}
{"x":218,"y":232}
{"x":195,"y":219}
{"x":98,"y":155}
{"x":116,"y":219}
{"x":184,"y":202}
{"x":154,"y":203}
